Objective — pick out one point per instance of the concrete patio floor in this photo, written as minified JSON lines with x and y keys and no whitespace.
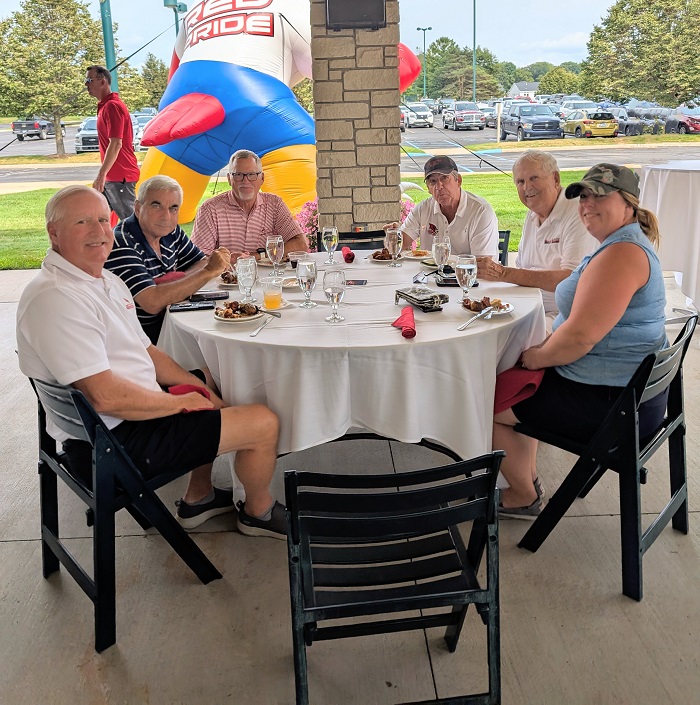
{"x":568,"y":634}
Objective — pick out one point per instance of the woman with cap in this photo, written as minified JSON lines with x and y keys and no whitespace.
{"x":611,"y":316}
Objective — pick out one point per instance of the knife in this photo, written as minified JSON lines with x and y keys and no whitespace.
{"x":471,"y":320}
{"x":260,"y":327}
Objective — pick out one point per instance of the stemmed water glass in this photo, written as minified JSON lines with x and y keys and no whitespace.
{"x":329,"y":238}
{"x":306,"y":277}
{"x":247,"y":271}
{"x":334,"y":288}
{"x":466,"y":273}
{"x":393,"y":240}
{"x":274,"y":246}
{"x":441,"y":252}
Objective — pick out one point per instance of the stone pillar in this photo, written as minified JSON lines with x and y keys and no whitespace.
{"x":356,"y":98}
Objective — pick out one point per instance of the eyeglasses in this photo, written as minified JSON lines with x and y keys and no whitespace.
{"x":239,"y":176}
{"x":435,"y":179}
{"x":89,"y":80}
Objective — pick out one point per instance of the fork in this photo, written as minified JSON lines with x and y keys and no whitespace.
{"x":485,"y":314}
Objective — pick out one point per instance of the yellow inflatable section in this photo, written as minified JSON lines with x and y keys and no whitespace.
{"x":290,"y":172}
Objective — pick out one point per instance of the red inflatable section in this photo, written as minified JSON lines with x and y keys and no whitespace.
{"x":192,"y":114}
{"x":409,"y":67}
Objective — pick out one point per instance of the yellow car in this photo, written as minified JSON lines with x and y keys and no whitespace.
{"x":591,"y":123}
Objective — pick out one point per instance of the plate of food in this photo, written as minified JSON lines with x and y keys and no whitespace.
{"x":381,"y":256}
{"x":290,"y":283}
{"x":478,"y":305}
{"x":416,"y":254}
{"x":236,"y":312}
{"x":228,"y":280}
{"x":265,"y":262}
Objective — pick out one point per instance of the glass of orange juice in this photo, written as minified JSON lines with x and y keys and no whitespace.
{"x":272,"y":292}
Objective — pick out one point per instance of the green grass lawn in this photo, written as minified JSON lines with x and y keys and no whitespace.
{"x":23,"y":238}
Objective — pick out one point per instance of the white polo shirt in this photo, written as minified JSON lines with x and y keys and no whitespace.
{"x":560,"y":242}
{"x":71,"y":325}
{"x":474,"y":230}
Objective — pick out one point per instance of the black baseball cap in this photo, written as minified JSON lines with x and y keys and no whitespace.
{"x":439,"y":165}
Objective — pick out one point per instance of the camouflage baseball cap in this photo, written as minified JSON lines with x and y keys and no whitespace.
{"x":603,"y":179}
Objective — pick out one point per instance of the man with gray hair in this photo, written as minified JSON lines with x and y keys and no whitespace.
{"x":554,"y":240}
{"x":154,"y":257}
{"x":242,"y":218}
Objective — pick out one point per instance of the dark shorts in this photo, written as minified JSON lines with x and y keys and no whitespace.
{"x":576,"y":410}
{"x":121,"y":196}
{"x":182,"y":442}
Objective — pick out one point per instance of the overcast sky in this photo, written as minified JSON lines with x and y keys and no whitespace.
{"x":521,"y":32}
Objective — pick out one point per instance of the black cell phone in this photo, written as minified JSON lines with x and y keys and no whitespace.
{"x":209,"y":295}
{"x":355,"y":282}
{"x":192,"y":306}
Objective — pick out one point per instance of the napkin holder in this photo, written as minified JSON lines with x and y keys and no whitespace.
{"x":422,"y":297}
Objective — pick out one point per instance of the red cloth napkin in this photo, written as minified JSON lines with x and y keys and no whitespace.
{"x":514,"y":385}
{"x":169,"y":277}
{"x":406,"y":322}
{"x":348,"y":254}
{"x":186,"y":389}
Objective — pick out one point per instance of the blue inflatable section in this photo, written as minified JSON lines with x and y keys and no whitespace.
{"x":262,"y":114}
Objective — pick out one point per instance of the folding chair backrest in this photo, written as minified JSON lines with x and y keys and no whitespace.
{"x":60,"y":405}
{"x":668,"y":362}
{"x":503,"y":240}
{"x":368,"y":240}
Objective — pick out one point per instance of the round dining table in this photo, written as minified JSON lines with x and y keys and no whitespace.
{"x":672,"y":191}
{"x":324,"y":378}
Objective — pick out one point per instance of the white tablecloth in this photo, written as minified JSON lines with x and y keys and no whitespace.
{"x":672,"y":191}
{"x":322,"y":379}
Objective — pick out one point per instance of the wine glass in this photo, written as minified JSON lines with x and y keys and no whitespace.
{"x":466,"y":273}
{"x":329,"y":238}
{"x":247,"y":271}
{"x":393,"y":240}
{"x":334,"y":288}
{"x":306,"y":278}
{"x":274,"y":246}
{"x":441,"y":252}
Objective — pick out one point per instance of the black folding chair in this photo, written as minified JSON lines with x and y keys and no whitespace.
{"x":116,"y":484}
{"x":350,"y":537}
{"x":617,"y":446}
{"x":367,"y":240}
{"x":503,"y":240}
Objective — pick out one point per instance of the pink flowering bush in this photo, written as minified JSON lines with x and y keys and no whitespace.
{"x":307,"y":218}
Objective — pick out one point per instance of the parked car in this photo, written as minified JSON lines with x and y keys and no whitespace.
{"x":35,"y":127}
{"x":556,"y":109}
{"x":591,"y":123}
{"x":445,"y":103}
{"x":569,"y":106}
{"x":463,"y":115}
{"x":142,"y":119}
{"x":684,"y":120}
{"x":146,"y":111}
{"x":403,"y":120}
{"x":423,"y":115}
{"x":626,"y":124}
{"x":531,"y":122}
{"x":86,"y":136}
{"x":490,"y":115}
{"x":432,"y":105}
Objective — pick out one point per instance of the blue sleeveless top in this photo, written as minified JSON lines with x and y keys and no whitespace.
{"x":639,"y":332}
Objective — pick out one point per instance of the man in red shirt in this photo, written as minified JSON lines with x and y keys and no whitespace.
{"x":119,"y":171}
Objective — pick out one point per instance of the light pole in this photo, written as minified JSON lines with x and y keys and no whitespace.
{"x":474,"y":58}
{"x":425,"y":60}
{"x":177,"y":7}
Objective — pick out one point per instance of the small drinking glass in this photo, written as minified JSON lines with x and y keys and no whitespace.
{"x":274,"y":246}
{"x":247,"y":271}
{"x":393,"y":240}
{"x":272,"y":292}
{"x":329,"y":238}
{"x":441,"y":252}
{"x":306,"y":277}
{"x":466,"y":273}
{"x":334,"y":288}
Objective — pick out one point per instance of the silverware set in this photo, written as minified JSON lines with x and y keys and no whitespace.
{"x":485,"y":314}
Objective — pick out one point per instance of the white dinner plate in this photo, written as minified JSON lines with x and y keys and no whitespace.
{"x":245,"y":319}
{"x":264,"y":262}
{"x":290,"y":283}
{"x":409,"y":254}
{"x":507,"y":308}
{"x":224,"y":285}
{"x":370,"y":258}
